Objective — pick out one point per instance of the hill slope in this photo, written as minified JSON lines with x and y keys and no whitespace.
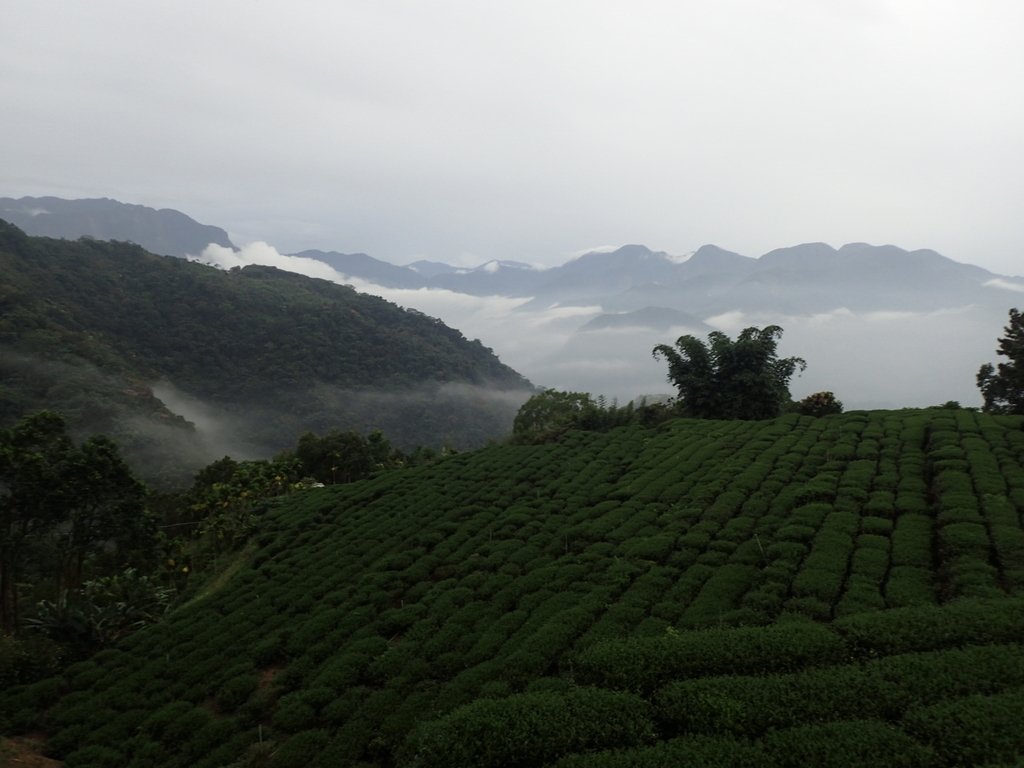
{"x":126,"y":343}
{"x":841,"y":591}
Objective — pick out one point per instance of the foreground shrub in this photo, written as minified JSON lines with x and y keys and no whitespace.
{"x":689,"y":751}
{"x":531,"y":729}
{"x":849,"y":744}
{"x":922,"y":628}
{"x":974,"y":730}
{"x":645,"y":663}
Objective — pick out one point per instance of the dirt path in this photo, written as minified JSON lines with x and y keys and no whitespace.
{"x":25,"y":752}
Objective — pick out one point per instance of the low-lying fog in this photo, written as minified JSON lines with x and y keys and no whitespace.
{"x":885,"y":359}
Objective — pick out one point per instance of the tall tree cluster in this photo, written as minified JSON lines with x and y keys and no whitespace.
{"x":731,"y":379}
{"x":60,"y":504}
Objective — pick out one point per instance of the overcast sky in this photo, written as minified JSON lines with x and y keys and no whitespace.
{"x":463,"y":130}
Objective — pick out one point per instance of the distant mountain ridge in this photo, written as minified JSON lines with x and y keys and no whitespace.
{"x":166,"y":232}
{"x":801,"y":279}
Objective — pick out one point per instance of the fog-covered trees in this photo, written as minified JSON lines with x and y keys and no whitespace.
{"x":1002,"y":386}
{"x":726,"y":379}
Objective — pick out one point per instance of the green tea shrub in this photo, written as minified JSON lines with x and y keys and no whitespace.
{"x":796,"y":533}
{"x":749,"y":706}
{"x":849,"y":744}
{"x":876,"y":526}
{"x":786,"y":550}
{"x":294,"y":713}
{"x":649,"y":548}
{"x":95,"y":756}
{"x":911,"y":541}
{"x":880,"y":503}
{"x":811,"y":607}
{"x":870,"y":561}
{"x":883,"y":689}
{"x":236,"y":691}
{"x":974,"y":730}
{"x":720,"y":593}
{"x":861,"y":594}
{"x":689,"y":751}
{"x":908,"y":586}
{"x":531,"y":729}
{"x":643,"y":664}
{"x":919,"y":628}
{"x":820,"y":583}
{"x":713,"y":558}
{"x":300,"y":750}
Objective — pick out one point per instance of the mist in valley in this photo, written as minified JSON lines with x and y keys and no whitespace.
{"x":878,"y":359}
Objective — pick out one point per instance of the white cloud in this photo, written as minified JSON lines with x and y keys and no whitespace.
{"x":870,"y":359}
{"x":728,"y":321}
{"x":265,"y":254}
{"x":1005,"y":285}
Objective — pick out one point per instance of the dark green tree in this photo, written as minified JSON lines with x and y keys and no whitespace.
{"x":726,"y":379}
{"x":338,"y":457}
{"x":552,"y":412}
{"x":107,"y":507}
{"x":34,"y":457}
{"x":819,"y":404}
{"x":1003,"y":386}
{"x":64,"y":503}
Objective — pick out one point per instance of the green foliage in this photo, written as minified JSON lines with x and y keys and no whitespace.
{"x":973,"y":730}
{"x":644,"y":663}
{"x":726,"y":379}
{"x":819,"y":404}
{"x":455,"y":593}
{"x":927,"y":627}
{"x":65,"y":504}
{"x":106,"y":609}
{"x":882,"y":689}
{"x":849,"y":744}
{"x":532,"y":729}
{"x":1003,"y":386}
{"x":551,"y":412}
{"x":695,"y":751}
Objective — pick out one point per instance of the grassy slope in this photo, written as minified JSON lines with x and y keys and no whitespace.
{"x":523,"y":604}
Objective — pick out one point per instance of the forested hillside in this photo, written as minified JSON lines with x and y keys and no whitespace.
{"x":836,"y":591}
{"x":117,"y":339}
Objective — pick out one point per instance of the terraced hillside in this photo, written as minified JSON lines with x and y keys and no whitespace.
{"x":837,"y":591}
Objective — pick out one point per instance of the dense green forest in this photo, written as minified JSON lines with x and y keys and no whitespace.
{"x":844,"y":590}
{"x":95,"y":329}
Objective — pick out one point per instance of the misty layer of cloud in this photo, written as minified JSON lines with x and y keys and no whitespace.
{"x":883,"y":359}
{"x":217,"y":431}
{"x":1006,"y":285}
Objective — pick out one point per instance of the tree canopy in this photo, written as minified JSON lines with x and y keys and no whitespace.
{"x":726,"y":379}
{"x":551,"y":411}
{"x":71,"y":501}
{"x":1002,"y":386}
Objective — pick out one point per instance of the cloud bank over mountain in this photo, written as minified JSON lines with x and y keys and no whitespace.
{"x":871,"y":357}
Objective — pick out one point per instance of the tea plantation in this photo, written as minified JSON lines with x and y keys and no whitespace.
{"x":839,"y":591}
